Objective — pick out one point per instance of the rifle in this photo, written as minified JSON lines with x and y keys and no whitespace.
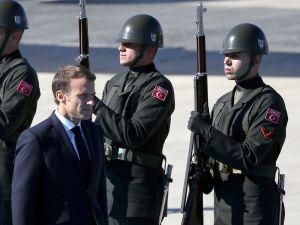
{"x":166,"y":191}
{"x":192,"y":204}
{"x":83,"y":58}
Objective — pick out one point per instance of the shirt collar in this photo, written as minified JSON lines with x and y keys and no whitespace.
{"x":68,"y":125}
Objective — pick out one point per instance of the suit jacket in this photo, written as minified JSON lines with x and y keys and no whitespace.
{"x":47,"y":186}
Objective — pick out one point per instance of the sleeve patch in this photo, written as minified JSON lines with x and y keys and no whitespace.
{"x":159,"y":93}
{"x":272,"y":115}
{"x":24,"y":88}
{"x":265,"y":133}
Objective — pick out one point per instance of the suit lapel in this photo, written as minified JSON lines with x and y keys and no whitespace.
{"x":90,"y":139}
{"x":95,"y":156}
{"x":63,"y":138}
{"x":65,"y":145}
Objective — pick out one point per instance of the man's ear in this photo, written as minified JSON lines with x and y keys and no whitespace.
{"x":258,"y":58}
{"x":60,"y":96}
{"x":16,"y":35}
{"x":151,"y":51}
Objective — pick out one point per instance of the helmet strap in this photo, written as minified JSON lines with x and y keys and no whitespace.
{"x":251,"y":63}
{"x":5,"y":40}
{"x":139,"y":56}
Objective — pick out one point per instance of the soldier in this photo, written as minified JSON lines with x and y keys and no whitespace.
{"x":245,"y":135}
{"x":135,"y":115}
{"x":19,"y":93}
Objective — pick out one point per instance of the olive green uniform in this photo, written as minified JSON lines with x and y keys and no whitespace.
{"x":246,"y":141}
{"x":19,"y":93}
{"x":137,"y":119}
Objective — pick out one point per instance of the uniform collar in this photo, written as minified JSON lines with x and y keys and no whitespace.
{"x":135,"y":71}
{"x":250,"y":84}
{"x":15,"y":54}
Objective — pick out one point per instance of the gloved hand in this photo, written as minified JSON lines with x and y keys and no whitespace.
{"x":199,"y":123}
{"x":97,"y":104}
{"x":202,"y":177}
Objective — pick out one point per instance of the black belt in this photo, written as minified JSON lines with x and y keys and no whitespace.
{"x":141,"y":158}
{"x":263,"y":171}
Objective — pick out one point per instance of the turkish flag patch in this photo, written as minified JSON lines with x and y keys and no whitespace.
{"x":272,"y":115}
{"x":160,"y":93}
{"x":24,"y":88}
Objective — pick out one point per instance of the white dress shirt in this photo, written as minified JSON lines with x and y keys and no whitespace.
{"x":68,"y":125}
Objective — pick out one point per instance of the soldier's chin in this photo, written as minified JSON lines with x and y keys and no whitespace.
{"x":124,"y":63}
{"x":230,"y":76}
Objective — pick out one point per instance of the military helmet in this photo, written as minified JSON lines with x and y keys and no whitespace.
{"x":141,"y":29}
{"x":245,"y":37}
{"x":12,"y":15}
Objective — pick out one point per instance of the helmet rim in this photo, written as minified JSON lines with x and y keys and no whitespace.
{"x":141,"y":29}
{"x":245,"y":37}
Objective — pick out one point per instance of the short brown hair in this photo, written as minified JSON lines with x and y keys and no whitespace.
{"x":62,"y":77}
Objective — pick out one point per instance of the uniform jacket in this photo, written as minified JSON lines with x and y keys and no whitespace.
{"x":248,"y":136}
{"x":19,"y":93}
{"x":47,"y":186}
{"x":136,"y":118}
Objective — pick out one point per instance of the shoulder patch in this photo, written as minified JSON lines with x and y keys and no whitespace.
{"x":272,"y":115}
{"x":24,"y":88}
{"x":160,"y":93}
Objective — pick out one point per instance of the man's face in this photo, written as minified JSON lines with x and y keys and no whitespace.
{"x":12,"y":42}
{"x":78,"y":102}
{"x":128,"y":53}
{"x":236,"y":65}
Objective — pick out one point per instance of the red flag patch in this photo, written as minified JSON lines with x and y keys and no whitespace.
{"x":24,"y":88}
{"x":272,"y":115}
{"x":160,"y":93}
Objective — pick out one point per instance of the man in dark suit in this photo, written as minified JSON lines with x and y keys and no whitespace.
{"x":59,"y":177}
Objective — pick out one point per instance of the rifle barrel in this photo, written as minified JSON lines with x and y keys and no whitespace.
{"x":83,"y":57}
{"x":192,"y":196}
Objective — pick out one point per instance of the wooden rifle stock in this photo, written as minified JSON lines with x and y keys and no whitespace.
{"x":83,"y":58}
{"x":192,"y":203}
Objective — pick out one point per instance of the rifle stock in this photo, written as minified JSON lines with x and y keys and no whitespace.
{"x":192,"y":197}
{"x":83,"y":58}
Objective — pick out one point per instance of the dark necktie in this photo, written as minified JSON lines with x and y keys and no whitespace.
{"x":83,"y":154}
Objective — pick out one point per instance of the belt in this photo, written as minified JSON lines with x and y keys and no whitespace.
{"x":141,"y":158}
{"x":263,"y":171}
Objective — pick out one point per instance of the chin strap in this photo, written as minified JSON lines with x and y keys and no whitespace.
{"x":139,"y":56}
{"x":4,"y":43}
{"x":251,"y":63}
